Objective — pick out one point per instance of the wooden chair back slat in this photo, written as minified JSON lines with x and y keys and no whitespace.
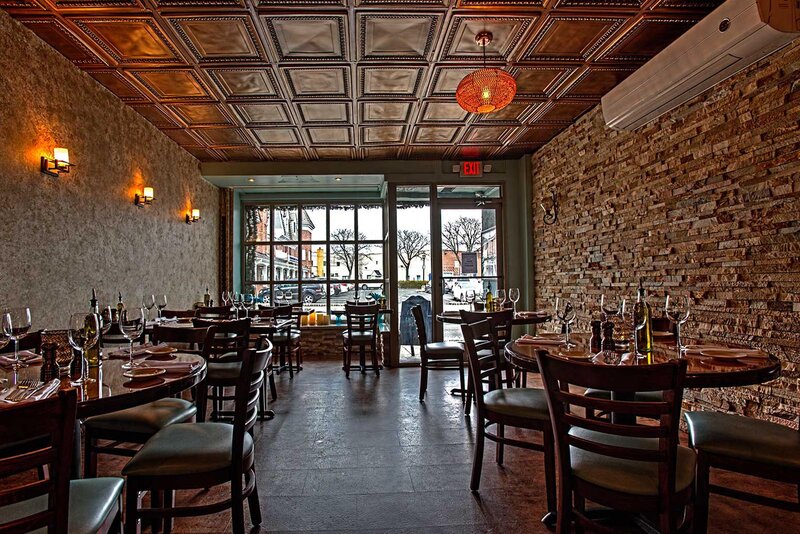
{"x":193,"y":340}
{"x":231,"y":339}
{"x":362,"y":318}
{"x":246,"y":395}
{"x":627,"y":453}
{"x":419,"y":321}
{"x":48,"y":443}
{"x":178,"y":314}
{"x":482,"y":369}
{"x":214,"y":312}
{"x":643,"y":409}
{"x":630,"y":431}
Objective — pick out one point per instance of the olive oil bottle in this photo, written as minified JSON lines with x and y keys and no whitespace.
{"x":643,"y":314}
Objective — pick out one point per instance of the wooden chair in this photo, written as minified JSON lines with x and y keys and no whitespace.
{"x":139,"y":423}
{"x":637,"y":468}
{"x":29,"y":503}
{"x":288,"y":343}
{"x":32,"y":341}
{"x":516,"y":407}
{"x":500,"y":323}
{"x":202,"y":455}
{"x":214,"y":312}
{"x":743,"y":445}
{"x":439,"y":356}
{"x":361,"y":335}
{"x":231,"y":341}
{"x":178,"y":314}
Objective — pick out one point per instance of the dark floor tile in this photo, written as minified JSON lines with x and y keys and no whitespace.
{"x":362,"y":480}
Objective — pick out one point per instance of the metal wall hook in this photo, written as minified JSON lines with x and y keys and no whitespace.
{"x":551,"y":213}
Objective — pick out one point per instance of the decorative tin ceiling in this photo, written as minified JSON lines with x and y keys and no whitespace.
{"x":354,"y":79}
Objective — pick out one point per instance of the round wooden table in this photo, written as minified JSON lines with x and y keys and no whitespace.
{"x":701,"y":372}
{"x":454,"y":317}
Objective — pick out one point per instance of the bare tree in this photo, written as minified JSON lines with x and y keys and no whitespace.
{"x":462,"y":235}
{"x":451,"y":242}
{"x":344,"y":250}
{"x":411,"y":244}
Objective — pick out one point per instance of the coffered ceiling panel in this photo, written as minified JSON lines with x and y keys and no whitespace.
{"x":285,"y":80}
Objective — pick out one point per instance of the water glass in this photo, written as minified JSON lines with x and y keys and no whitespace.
{"x":469,"y":296}
{"x":677,"y":310}
{"x":149,"y":302}
{"x":513,"y":294}
{"x":565,"y":313}
{"x":83,"y":333}
{"x":16,"y":323}
{"x":501,"y":299}
{"x":161,"y":303}
{"x":131,"y":325}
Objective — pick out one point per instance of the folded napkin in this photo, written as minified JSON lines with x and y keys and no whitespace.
{"x":162,"y":321}
{"x":25,"y":356}
{"x":540,"y":313}
{"x":42,"y":393}
{"x":172,"y":366}
{"x":539,"y":340}
{"x":139,"y":351}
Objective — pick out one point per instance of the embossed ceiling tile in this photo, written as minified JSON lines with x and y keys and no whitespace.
{"x":244,"y":83}
{"x":385,"y":111}
{"x":428,"y":153}
{"x":442,"y":112}
{"x":277,"y":136}
{"x":241,"y":154}
{"x":511,"y":113}
{"x":335,"y":153}
{"x":539,"y":81}
{"x":446,"y":80}
{"x":538,"y":134}
{"x":19,"y":4}
{"x":265,"y":113}
{"x":435,"y":134}
{"x":200,"y":114}
{"x":506,"y":33}
{"x":600,"y":3}
{"x":182,"y":137}
{"x":381,"y":153}
{"x":324,"y":112}
{"x":219,"y":38}
{"x":648,"y":37}
{"x":222,"y":136}
{"x":404,"y":3}
{"x":382,"y":135}
{"x":390,"y":81}
{"x":109,"y":4}
{"x":396,"y":36}
{"x":308,"y":38}
{"x":201,"y":153}
{"x":564,"y":111}
{"x":287,"y":154}
{"x":53,"y":32}
{"x":500,"y":3}
{"x":330,"y":136}
{"x":318,"y":82}
{"x":597,"y":81}
{"x":155,"y":115}
{"x":172,"y":84}
{"x":706,"y":5}
{"x":130,"y":39}
{"x":571,"y":37}
{"x":486,"y":135}
{"x":117,"y":84}
{"x":473,"y":152}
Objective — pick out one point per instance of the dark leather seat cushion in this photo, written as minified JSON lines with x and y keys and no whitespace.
{"x":641,"y":396}
{"x":91,"y":500}
{"x":223,"y":370}
{"x":359,"y":336}
{"x":280,"y":339}
{"x":744,"y":438}
{"x":518,"y":402}
{"x":444,"y":349}
{"x":186,"y":449}
{"x":627,"y":476}
{"x":145,"y":419}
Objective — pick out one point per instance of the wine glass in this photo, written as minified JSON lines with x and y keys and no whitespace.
{"x":677,"y":309}
{"x":610,"y":307}
{"x":161,"y":303}
{"x":83,"y":332}
{"x":131,"y":325}
{"x":16,"y":323}
{"x":565,"y":312}
{"x":226,"y":297}
{"x":469,"y":296}
{"x":247,"y":303}
{"x":513,"y":294}
{"x":149,"y":302}
{"x":501,"y":299}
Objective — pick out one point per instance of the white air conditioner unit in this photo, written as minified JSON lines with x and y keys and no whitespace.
{"x":736,"y":34}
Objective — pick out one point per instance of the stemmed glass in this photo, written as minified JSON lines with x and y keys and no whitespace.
{"x":16,"y":323}
{"x":149,"y":301}
{"x":469,"y":296}
{"x":161,"y":303}
{"x":513,"y":294}
{"x":565,"y":313}
{"x":501,"y":299}
{"x":226,"y":297}
{"x":83,"y":333}
{"x":610,"y":307}
{"x":677,"y":309}
{"x":247,"y":303}
{"x":131,"y":325}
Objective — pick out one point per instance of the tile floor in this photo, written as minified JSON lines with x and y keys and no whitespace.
{"x":366,"y":456}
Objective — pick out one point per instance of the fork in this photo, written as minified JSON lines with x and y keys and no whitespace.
{"x":23,"y":388}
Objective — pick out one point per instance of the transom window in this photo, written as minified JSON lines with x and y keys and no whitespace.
{"x":320,"y":255}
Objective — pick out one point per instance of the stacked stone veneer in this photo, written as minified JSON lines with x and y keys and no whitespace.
{"x":705,"y":200}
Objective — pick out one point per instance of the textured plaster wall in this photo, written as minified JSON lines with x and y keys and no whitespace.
{"x":704,"y":200}
{"x":59,"y":237}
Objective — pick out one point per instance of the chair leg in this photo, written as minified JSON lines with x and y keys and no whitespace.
{"x":461,"y":377}
{"x":131,"y":508}
{"x":169,"y":502}
{"x":375,"y":359}
{"x":549,"y":469}
{"x":500,"y":446}
{"x":564,"y":519}
{"x":423,"y":382}
{"x":477,"y":460}
{"x":156,"y":501}
{"x":289,"y":361}
{"x":580,"y":507}
{"x":237,"y":506}
{"x":253,"y":503}
{"x":262,"y":395}
{"x":468,"y":397}
{"x":701,"y":495}
{"x":272,"y":389}
{"x":346,"y":362}
{"x":89,"y":455}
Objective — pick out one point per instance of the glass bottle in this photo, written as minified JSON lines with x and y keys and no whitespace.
{"x":93,"y":354}
{"x":643,"y":314}
{"x":206,"y":298}
{"x":489,"y":301}
{"x":120,"y":305}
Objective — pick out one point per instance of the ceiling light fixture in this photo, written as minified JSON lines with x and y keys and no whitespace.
{"x":488,"y":89}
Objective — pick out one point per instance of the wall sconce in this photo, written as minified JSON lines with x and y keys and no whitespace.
{"x":551,"y":213}
{"x":145,"y":198}
{"x":193,"y":216}
{"x":58,"y":164}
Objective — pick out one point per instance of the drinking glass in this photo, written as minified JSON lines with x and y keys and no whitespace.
{"x":677,"y":309}
{"x":226,"y":297}
{"x":131,"y":325}
{"x":469,"y":296}
{"x":149,"y":302}
{"x":16,"y":323}
{"x":247,"y":304}
{"x":513,"y":294}
{"x":4,"y":339}
{"x":83,"y":332}
{"x":161,"y":302}
{"x":501,"y":299}
{"x":565,"y":313}
{"x":610,"y":307}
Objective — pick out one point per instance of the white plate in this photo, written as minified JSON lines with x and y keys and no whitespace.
{"x":722,"y":354}
{"x":141,"y":373}
{"x":575,"y":355}
{"x":160,"y":351}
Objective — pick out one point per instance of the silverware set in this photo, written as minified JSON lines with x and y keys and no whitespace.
{"x":24,"y":390}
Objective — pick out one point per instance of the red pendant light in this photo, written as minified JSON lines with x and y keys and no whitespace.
{"x":487,"y":89}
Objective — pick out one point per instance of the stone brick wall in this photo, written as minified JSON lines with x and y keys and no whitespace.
{"x":703,"y":200}
{"x":325,"y":343}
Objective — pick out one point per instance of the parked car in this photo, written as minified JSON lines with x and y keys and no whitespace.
{"x":372,"y":286}
{"x":290,"y":293}
{"x":460,"y":288}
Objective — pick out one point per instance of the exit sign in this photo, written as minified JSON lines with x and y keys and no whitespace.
{"x":471,"y":168}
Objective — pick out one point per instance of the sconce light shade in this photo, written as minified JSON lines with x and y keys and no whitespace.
{"x":193,"y":216}
{"x":145,"y":198}
{"x":58,"y":164}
